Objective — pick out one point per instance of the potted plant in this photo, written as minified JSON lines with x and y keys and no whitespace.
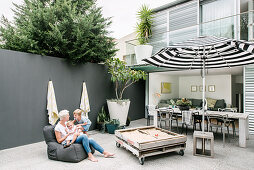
{"x":144,"y":32}
{"x":101,"y":119}
{"x":183,"y":104}
{"x":112,"y":125}
{"x":123,"y":77}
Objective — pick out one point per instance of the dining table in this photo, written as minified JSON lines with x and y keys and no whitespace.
{"x":242,"y":117}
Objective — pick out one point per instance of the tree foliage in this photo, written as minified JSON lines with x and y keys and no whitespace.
{"x":71,"y":29}
{"x":123,"y":76}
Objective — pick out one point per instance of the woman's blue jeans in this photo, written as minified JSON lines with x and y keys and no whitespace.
{"x":85,"y":141}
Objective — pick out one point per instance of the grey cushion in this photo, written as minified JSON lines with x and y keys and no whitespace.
{"x":220,"y":104}
{"x":196,"y":102}
{"x":74,"y":153}
{"x":163,"y":101}
{"x":160,"y":105}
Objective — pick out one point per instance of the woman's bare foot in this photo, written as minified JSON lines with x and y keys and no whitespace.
{"x":92,"y":158}
{"x":107,"y":154}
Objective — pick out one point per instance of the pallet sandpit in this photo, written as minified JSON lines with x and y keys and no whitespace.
{"x":149,"y":140}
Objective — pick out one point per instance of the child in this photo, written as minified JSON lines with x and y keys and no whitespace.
{"x":71,"y":128}
{"x":83,"y":122}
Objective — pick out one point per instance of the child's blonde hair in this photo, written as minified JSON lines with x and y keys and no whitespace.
{"x":78,"y":112}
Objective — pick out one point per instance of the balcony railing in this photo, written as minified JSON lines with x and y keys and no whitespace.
{"x":236,"y":27}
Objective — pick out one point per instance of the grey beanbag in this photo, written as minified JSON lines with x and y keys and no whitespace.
{"x":74,"y":153}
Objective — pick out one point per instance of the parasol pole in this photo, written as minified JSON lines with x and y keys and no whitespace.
{"x":203,"y":96}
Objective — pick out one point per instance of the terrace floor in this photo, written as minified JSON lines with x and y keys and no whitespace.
{"x":231,"y":157}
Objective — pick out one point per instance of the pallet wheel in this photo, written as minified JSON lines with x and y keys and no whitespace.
{"x":118,"y":144}
{"x":142,"y":160}
{"x":181,"y":152}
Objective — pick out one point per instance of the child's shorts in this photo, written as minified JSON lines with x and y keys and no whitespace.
{"x":86,"y":127}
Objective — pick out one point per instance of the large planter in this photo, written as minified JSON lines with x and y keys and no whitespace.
{"x":142,"y":52}
{"x":118,"y":110}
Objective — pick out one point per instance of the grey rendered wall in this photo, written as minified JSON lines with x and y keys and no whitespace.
{"x":23,"y":91}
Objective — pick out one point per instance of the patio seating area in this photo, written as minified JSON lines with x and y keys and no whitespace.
{"x":232,"y":157}
{"x":177,"y":93}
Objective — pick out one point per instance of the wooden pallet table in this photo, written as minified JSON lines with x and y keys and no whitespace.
{"x":149,"y":140}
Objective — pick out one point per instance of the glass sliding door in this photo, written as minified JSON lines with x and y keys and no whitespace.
{"x":216,"y":18}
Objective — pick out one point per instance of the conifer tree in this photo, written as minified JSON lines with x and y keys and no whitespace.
{"x":71,"y":29}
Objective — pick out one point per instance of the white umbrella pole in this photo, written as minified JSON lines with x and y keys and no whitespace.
{"x":203,"y":96}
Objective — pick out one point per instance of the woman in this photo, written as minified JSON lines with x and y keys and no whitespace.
{"x":61,"y":135}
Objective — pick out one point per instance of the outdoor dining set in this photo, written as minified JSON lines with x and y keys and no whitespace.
{"x":221,"y":120}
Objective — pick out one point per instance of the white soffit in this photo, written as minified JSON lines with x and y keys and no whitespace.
{"x":218,"y":71}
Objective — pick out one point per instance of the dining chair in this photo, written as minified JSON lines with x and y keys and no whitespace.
{"x":197,"y":119}
{"x":219,"y":121}
{"x":164,"y":116}
{"x":232,"y":121}
{"x":186,"y":119}
{"x":173,"y":117}
{"x":151,"y":111}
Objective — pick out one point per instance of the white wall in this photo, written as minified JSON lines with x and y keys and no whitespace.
{"x":222,"y":87}
{"x":121,"y":45}
{"x":155,"y":80}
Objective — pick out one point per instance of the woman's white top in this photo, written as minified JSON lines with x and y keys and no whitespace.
{"x":60,"y":128}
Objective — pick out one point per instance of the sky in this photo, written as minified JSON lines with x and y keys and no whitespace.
{"x":123,"y":12}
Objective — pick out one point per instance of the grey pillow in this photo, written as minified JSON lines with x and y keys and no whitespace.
{"x":160,"y":105}
{"x":163,"y":101}
{"x":197,"y":102}
{"x":220,"y":104}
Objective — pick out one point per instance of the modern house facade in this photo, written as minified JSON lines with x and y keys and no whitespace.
{"x":185,"y":19}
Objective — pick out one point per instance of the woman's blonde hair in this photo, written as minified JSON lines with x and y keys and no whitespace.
{"x":63,"y":113}
{"x":78,"y":112}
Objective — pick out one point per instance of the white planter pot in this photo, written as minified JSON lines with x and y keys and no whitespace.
{"x":118,"y":111}
{"x":142,"y":52}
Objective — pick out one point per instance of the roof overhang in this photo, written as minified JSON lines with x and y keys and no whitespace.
{"x":150,"y":68}
{"x":169,"y":5}
{"x":218,"y":71}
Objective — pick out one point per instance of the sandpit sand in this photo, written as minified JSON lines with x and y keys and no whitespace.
{"x":146,"y":135}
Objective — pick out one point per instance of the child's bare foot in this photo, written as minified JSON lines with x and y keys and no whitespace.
{"x":107,"y":154}
{"x":93,"y":159}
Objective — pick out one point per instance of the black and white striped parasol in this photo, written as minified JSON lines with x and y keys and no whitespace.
{"x":205,"y":52}
{"x":216,"y":52}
